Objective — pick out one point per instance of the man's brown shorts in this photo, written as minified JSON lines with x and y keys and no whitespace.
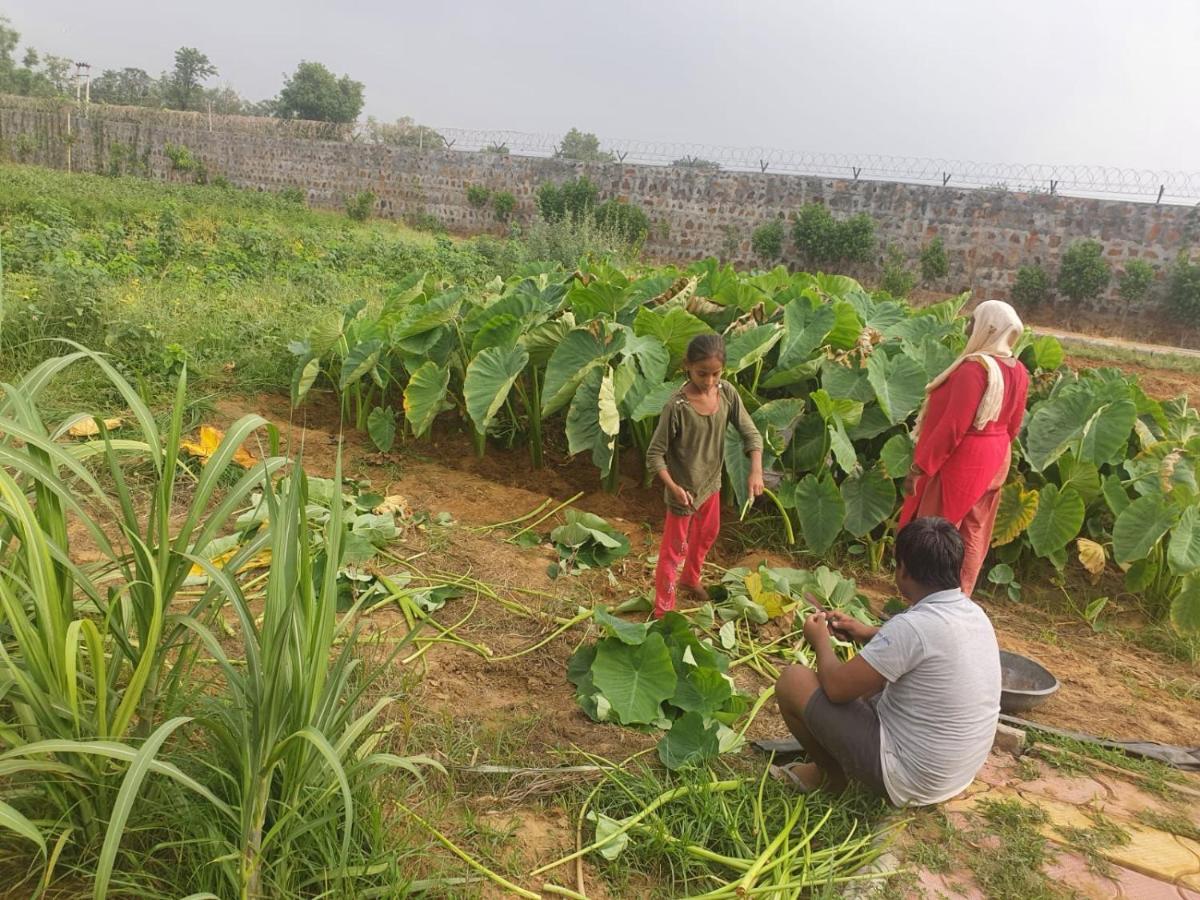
{"x":849,"y":732}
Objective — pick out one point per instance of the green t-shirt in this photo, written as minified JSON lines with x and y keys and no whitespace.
{"x":691,"y":446}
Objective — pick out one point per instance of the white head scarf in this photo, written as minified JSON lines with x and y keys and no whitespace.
{"x":997,"y":330}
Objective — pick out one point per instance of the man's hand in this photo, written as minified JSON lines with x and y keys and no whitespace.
{"x":754,"y":484}
{"x":682,"y":497}
{"x":850,"y":626}
{"x":815,"y":629}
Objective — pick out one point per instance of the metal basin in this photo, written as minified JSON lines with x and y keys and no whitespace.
{"x":1024,"y":683}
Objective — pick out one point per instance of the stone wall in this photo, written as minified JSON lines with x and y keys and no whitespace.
{"x":987,"y":234}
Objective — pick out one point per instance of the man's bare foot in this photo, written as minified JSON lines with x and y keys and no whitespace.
{"x":696,"y":592}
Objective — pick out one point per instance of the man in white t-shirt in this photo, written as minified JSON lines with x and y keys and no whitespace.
{"x":913,"y":715}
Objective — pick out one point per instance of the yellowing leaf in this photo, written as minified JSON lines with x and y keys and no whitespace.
{"x":88,"y":428}
{"x":1092,"y":557}
{"x":207,"y":442}
{"x":771,"y":601}
{"x":260,"y":560}
{"x":1017,"y":509}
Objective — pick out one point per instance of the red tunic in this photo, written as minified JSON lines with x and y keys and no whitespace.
{"x":968,"y":460}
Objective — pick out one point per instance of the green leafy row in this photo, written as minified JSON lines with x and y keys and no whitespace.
{"x":832,"y":375}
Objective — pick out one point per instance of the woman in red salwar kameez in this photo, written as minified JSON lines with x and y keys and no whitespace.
{"x":964,"y":434}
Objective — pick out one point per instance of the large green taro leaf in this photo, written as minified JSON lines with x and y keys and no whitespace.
{"x":675,"y":327}
{"x":425,"y":396}
{"x":1140,"y":526}
{"x":897,"y":455}
{"x":381,"y":426}
{"x":821,"y":510}
{"x":804,"y":330}
{"x":1185,"y":608}
{"x":362,"y":358}
{"x":750,"y":346}
{"x":1058,"y":519}
{"x":869,"y":497}
{"x":847,"y":326}
{"x":593,"y":420}
{"x":652,"y":402}
{"x":1108,"y":432}
{"x":1183,"y":552}
{"x":702,"y":690}
{"x":810,"y":445}
{"x":1057,"y":424}
{"x":499,"y":331}
{"x":489,"y":379}
{"x":635,"y":679}
{"x":899,"y":384}
{"x":421,"y":318}
{"x":578,"y":353}
{"x":691,"y":740}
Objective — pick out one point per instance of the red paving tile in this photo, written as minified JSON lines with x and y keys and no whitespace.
{"x":955,"y":885}
{"x":1072,"y":869}
{"x":1136,"y":886}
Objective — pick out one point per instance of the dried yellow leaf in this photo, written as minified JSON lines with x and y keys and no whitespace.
{"x":1092,"y":557}
{"x":85,"y":428}
{"x":393,"y":504}
{"x":208,"y":440}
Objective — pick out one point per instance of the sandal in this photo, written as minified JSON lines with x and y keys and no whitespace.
{"x":787,"y":774}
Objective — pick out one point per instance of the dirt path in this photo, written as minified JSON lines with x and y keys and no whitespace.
{"x":1092,"y":340}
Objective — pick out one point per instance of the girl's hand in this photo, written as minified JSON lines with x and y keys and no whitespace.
{"x":754,"y":484}
{"x":910,"y":480}
{"x":682,"y":497}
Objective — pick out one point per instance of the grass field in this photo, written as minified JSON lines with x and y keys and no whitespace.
{"x":338,"y":665}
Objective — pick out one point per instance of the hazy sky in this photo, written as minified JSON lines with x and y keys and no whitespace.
{"x":1110,"y":82}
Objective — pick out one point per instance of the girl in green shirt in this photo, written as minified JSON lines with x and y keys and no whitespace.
{"x":687,"y":453}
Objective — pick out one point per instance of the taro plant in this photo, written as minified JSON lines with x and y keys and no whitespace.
{"x":660,"y":674}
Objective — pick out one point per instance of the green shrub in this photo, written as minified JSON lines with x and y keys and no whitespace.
{"x":425,"y":221}
{"x":626,"y":219}
{"x":767,"y":241}
{"x":934,"y":262}
{"x":1084,"y":272}
{"x":1032,"y":286}
{"x":360,"y":206}
{"x":503,"y":203}
{"x":898,"y":279}
{"x":812,"y":232}
{"x":1183,"y":287}
{"x":573,"y":199}
{"x":294,"y":195}
{"x":1135,"y":281}
{"x":566,"y":243}
{"x":478,"y":196}
{"x":820,"y":238}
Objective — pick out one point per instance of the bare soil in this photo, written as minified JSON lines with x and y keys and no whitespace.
{"x":1109,"y":686}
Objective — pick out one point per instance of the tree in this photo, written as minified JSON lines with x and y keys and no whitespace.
{"x":403,"y":132}
{"x":313,"y":92}
{"x":1084,"y":271}
{"x":767,"y":241}
{"x":183,"y":84}
{"x":934,"y":262}
{"x":584,"y":147}
{"x":1135,"y":280}
{"x":125,"y":87}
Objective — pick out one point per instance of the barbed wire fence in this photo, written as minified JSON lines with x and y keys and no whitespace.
{"x":1081,"y":180}
{"x":1145,"y":185}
